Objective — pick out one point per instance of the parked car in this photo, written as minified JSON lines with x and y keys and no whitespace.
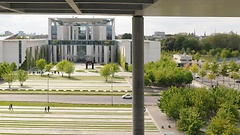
{"x":127,"y":96}
{"x":196,"y":76}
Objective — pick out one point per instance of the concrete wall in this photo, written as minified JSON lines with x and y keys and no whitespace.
{"x":10,"y":49}
{"x":152,"y":50}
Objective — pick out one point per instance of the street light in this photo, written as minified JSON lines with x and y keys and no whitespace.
{"x":48,"y":89}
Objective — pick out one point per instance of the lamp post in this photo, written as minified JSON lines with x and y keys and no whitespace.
{"x":48,"y":89}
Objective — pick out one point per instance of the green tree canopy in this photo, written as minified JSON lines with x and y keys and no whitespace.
{"x":114,"y":68}
{"x":190,"y":121}
{"x":48,"y":67}
{"x":223,"y":69}
{"x":41,"y":63}
{"x":105,"y":71}
{"x":60,"y":66}
{"x":127,"y":36}
{"x":4,"y":69}
{"x":22,"y":76}
{"x":9,"y":78}
{"x":69,"y":68}
{"x":13,"y":66}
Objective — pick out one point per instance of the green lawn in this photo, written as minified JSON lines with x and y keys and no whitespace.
{"x":79,"y":78}
{"x":18,"y":103}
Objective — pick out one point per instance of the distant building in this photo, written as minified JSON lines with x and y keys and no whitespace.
{"x":8,"y":33}
{"x":21,"y":33}
{"x":182,"y":59}
{"x":82,"y":39}
{"x":152,"y":50}
{"x":159,"y":34}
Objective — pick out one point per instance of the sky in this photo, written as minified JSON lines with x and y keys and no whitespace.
{"x":170,"y":25}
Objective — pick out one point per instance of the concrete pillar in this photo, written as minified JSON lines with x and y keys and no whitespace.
{"x":96,"y":53}
{"x":138,"y":75}
{"x":106,"y":54}
{"x":54,"y":54}
{"x":75,"y":53}
{"x":113,"y":50}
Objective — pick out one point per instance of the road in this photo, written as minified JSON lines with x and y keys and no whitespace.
{"x":149,"y":100}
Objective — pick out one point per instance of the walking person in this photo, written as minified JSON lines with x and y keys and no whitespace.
{"x":45,"y":109}
{"x":48,"y":108}
{"x":10,"y":107}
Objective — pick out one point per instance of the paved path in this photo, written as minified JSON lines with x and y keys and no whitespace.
{"x":71,"y":120}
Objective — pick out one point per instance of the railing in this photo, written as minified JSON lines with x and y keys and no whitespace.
{"x":82,"y":42}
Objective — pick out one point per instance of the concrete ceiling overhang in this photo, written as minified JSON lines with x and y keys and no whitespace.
{"x":198,"y":8}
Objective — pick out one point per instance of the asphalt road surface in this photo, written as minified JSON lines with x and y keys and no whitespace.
{"x":149,"y":100}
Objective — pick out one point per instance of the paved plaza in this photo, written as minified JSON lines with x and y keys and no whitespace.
{"x":56,"y":82}
{"x":71,"y":120}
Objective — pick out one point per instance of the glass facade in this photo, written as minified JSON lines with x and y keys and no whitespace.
{"x":54,"y":32}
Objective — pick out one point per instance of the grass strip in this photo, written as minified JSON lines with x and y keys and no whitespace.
{"x":54,"y":104}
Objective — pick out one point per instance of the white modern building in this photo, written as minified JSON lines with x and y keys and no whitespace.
{"x":15,"y":50}
{"x":182,"y":59}
{"x":152,"y":50}
{"x":78,"y":40}
{"x":82,"y":39}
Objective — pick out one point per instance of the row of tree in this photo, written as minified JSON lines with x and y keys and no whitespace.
{"x":207,"y":45}
{"x":62,"y":66}
{"x":211,"y":70}
{"x":9,"y":74}
{"x":216,"y":109}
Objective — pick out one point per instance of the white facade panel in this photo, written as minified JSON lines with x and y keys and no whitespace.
{"x":152,"y":50}
{"x":1,"y":51}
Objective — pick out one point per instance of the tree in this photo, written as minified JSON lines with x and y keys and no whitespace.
{"x":60,"y":66}
{"x":190,"y":121}
{"x":234,"y":76}
{"x":235,"y":53}
{"x":48,"y":67}
{"x":105,"y":71}
{"x":202,"y":73}
{"x":233,"y":66}
{"x":223,"y":69}
{"x":205,"y":66}
{"x":69,"y":68}
{"x":221,"y":126}
{"x":214,"y":67}
{"x":114,"y":68}
{"x":9,"y":78}
{"x":41,"y":63}
{"x":4,"y":69}
{"x":225,"y":53}
{"x":13,"y":66}
{"x":22,"y":76}
{"x":197,"y":56}
{"x":168,"y":44}
{"x":211,"y":76}
{"x":127,"y":36}
{"x":194,"y":68}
